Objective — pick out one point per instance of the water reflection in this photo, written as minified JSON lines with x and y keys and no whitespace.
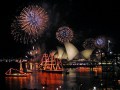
{"x":50,"y":81}
{"x":77,"y":79}
{"x":14,"y":83}
{"x":37,"y":80}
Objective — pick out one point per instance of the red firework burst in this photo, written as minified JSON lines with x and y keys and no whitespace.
{"x":20,"y":36}
{"x":64,"y":34}
{"x":33,"y":20}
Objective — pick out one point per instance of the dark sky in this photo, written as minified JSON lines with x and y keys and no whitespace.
{"x":87,"y":18}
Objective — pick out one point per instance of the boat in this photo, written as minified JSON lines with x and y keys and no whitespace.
{"x":15,"y":73}
{"x":29,"y":67}
{"x":50,"y":64}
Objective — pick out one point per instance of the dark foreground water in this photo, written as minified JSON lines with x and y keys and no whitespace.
{"x":75,"y":80}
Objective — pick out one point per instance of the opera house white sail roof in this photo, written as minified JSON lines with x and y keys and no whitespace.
{"x":70,"y":52}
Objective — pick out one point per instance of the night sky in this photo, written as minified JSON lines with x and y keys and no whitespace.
{"x":87,"y":18}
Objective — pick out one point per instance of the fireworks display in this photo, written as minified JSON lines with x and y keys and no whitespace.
{"x":100,"y":42}
{"x":30,"y":24}
{"x":35,"y":52}
{"x":33,"y":20}
{"x":64,"y":34}
{"x":89,"y":44}
{"x":20,"y":36}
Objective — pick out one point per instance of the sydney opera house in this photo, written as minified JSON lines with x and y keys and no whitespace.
{"x":70,"y":54}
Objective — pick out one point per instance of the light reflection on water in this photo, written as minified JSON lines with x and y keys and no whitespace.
{"x":49,"y":81}
{"x":37,"y":80}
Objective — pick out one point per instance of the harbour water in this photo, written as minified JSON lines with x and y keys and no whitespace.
{"x":74,"y":80}
{"x":77,"y":79}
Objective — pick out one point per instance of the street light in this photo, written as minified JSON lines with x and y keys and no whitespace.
{"x":109,"y":49}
